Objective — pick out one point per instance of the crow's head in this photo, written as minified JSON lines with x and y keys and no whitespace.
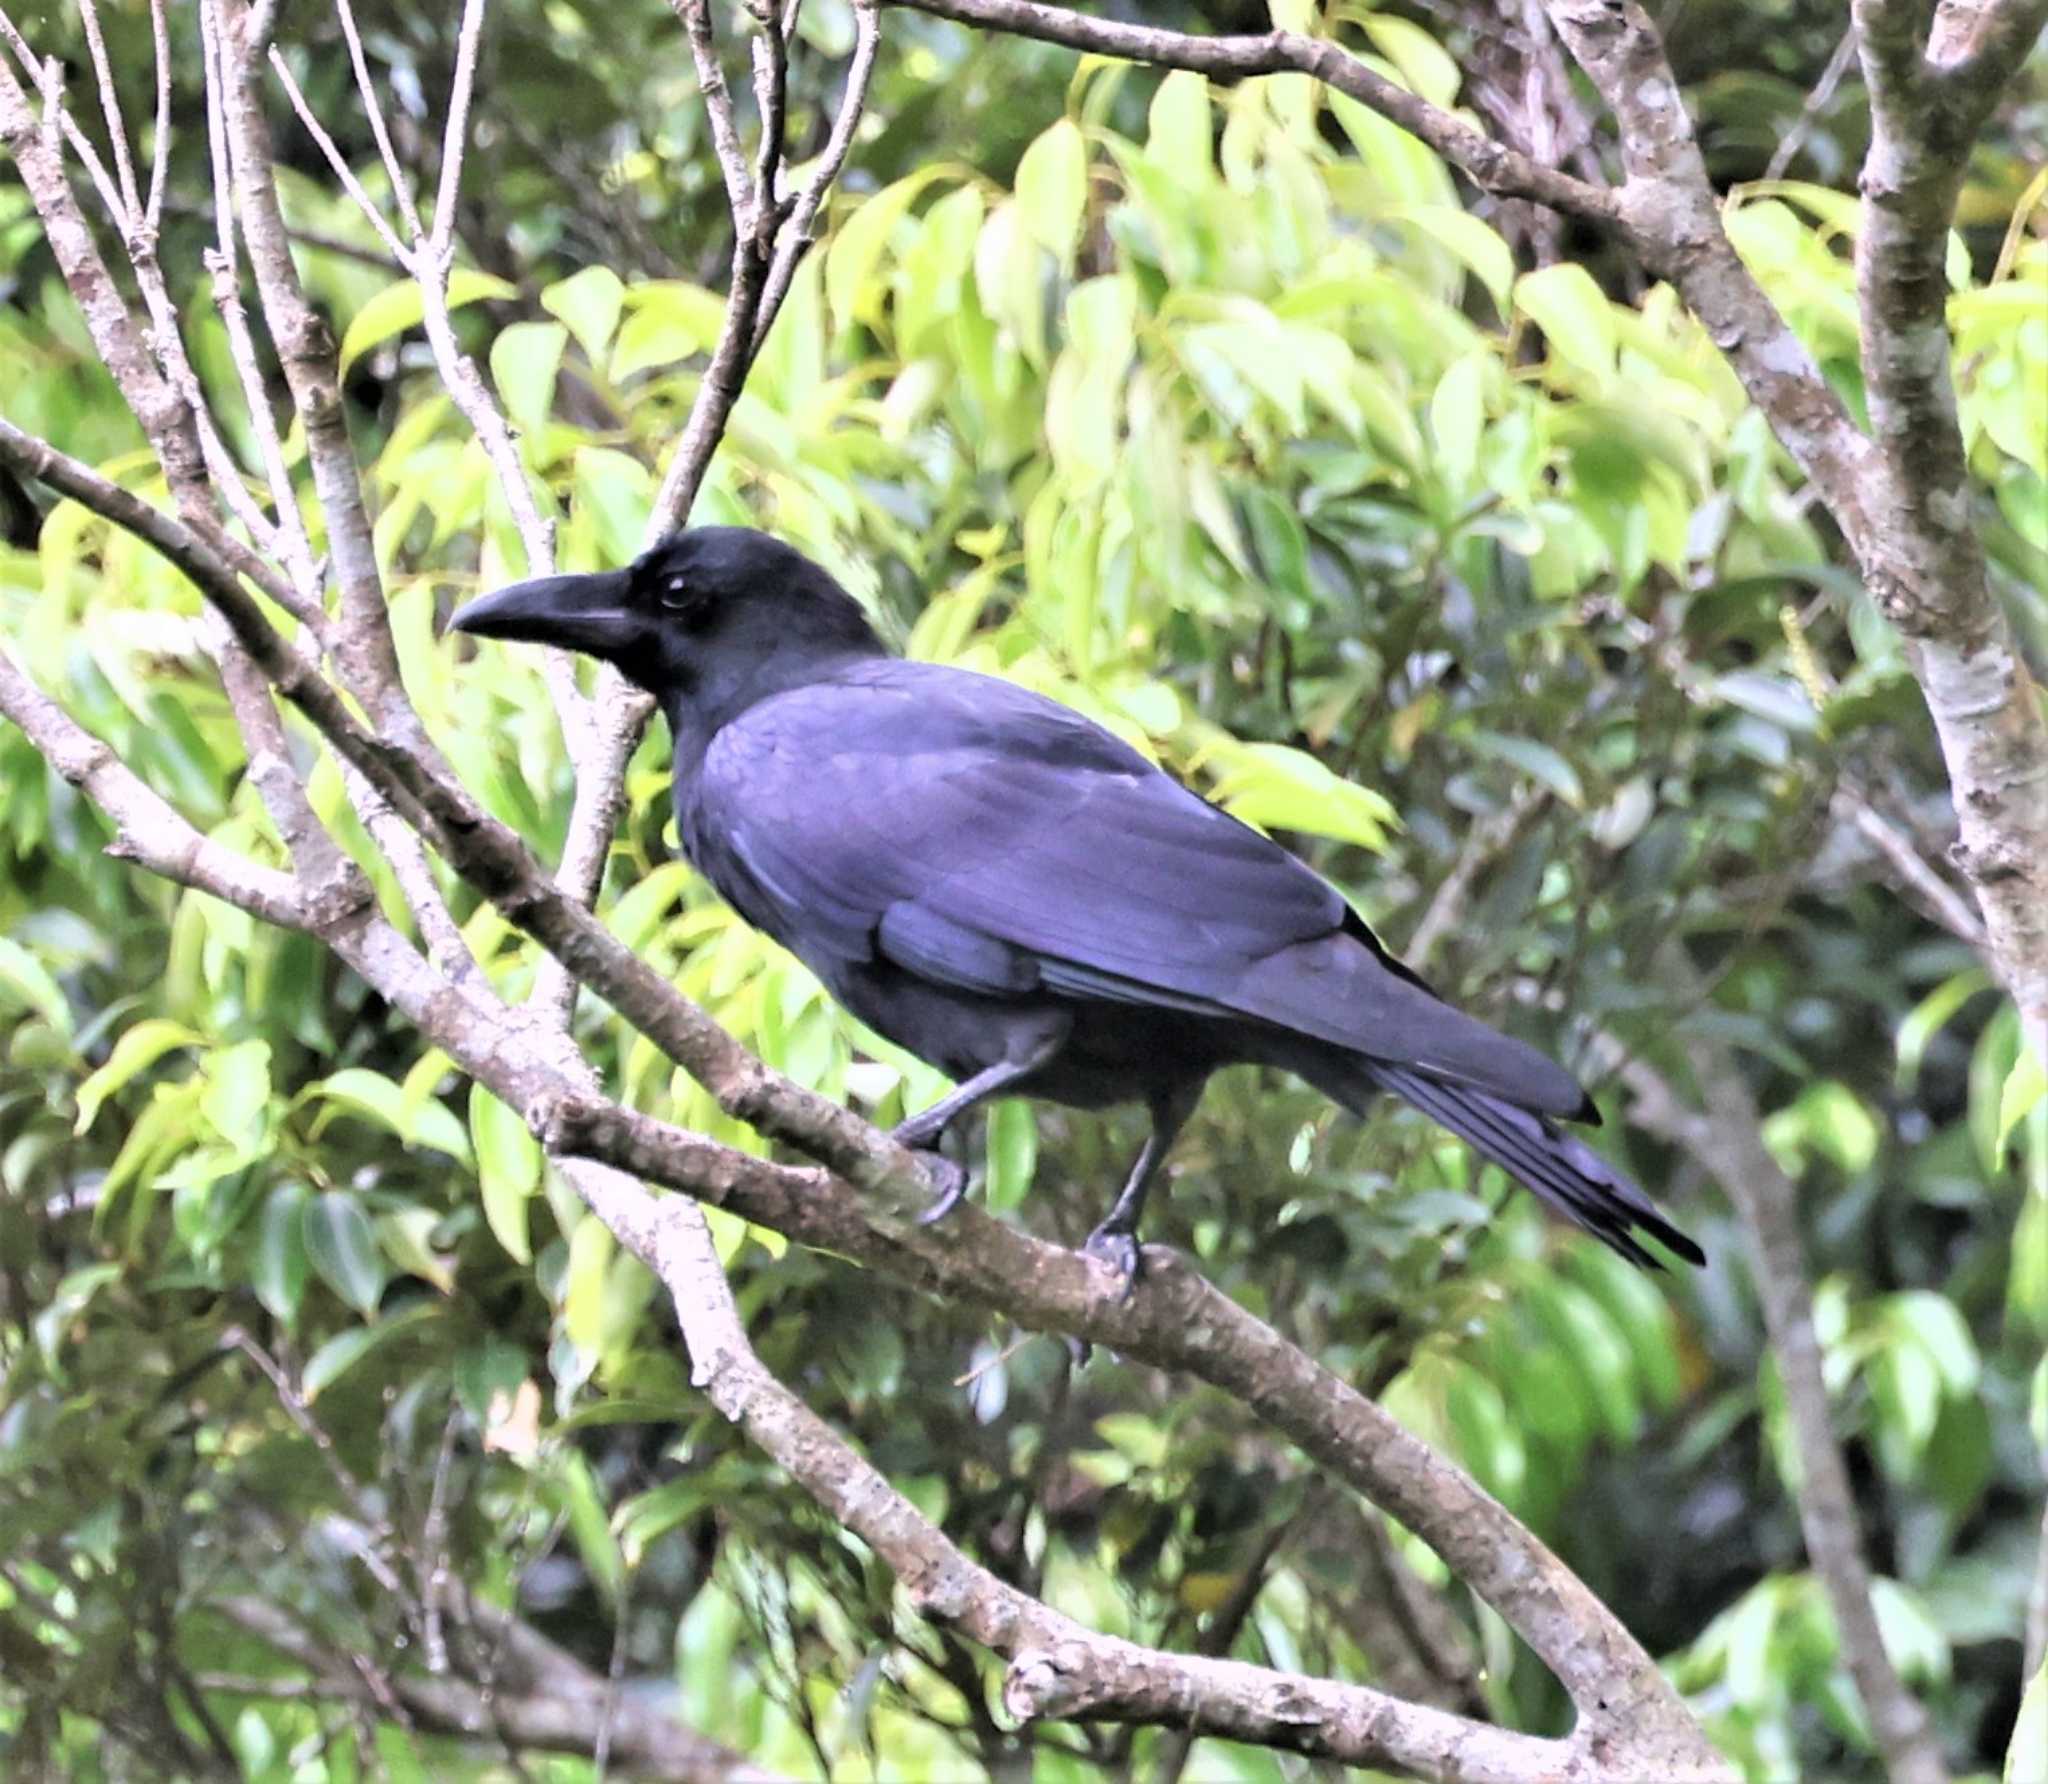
{"x":703,"y":607}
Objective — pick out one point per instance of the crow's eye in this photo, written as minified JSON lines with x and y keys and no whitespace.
{"x":674,"y":594}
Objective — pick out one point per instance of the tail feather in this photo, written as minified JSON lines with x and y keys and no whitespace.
{"x":1565,"y":1173}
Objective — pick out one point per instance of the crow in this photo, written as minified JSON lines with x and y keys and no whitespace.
{"x":1005,"y":889}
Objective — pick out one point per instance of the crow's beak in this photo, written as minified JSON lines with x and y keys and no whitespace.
{"x":586,"y":613}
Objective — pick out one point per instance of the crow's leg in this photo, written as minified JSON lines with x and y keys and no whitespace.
{"x":1115,"y":1241}
{"x":923,"y":1131}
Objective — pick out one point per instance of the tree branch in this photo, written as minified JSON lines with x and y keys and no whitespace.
{"x":546,"y":1700}
{"x":1057,"y":1668}
{"x":1924,"y":556}
{"x":1488,"y":164}
{"x":1726,"y":1136}
{"x":1176,"y":1320}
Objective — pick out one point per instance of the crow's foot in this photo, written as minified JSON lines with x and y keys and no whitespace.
{"x":1121,"y":1252}
{"x":949,"y":1179}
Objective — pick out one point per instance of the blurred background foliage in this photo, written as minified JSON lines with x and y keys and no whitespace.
{"x":1422,"y":536}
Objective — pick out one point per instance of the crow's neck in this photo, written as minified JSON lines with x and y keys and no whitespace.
{"x":702,"y":702}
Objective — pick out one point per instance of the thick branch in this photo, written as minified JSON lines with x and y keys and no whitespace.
{"x":1057,"y":1667}
{"x":1672,"y":218}
{"x":1922,"y":553}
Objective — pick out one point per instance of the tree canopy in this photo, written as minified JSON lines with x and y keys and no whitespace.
{"x":1451,"y":516}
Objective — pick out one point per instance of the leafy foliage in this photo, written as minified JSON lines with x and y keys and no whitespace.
{"x":1223,"y":416}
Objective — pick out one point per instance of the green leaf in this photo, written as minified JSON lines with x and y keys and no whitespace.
{"x":1276,"y":787}
{"x":508,"y":1168}
{"x":670,"y":321}
{"x":139,"y":1048}
{"x":1472,"y":241}
{"x":645,"y":1518}
{"x":1572,"y":311}
{"x":524,"y":361}
{"x":237,"y":1093}
{"x":589,"y":302}
{"x":1136,"y":1435}
{"x":1934,"y":1322}
{"x":1457,"y":413}
{"x":851,"y":291}
{"x":1182,"y":128}
{"x":589,"y":1528}
{"x":345,"y":1350}
{"x":1931,"y":1015}
{"x":399,"y":306}
{"x":1489,"y":1439}
{"x":1538,"y":761}
{"x":2025,"y":1085}
{"x":342,"y":1248}
{"x":1052,"y":188}
{"x":27,"y":981}
{"x":1012,"y":1153}
{"x":356,"y":1090}
{"x":280,"y":1269}
{"x":1424,"y":65}
{"x":591,"y":1249}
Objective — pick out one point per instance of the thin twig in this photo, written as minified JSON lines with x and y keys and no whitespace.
{"x":294,"y":546}
{"x":110,"y":106}
{"x":725,"y":135}
{"x":160,"y":149}
{"x":1816,"y":102}
{"x":337,"y":160}
{"x":394,"y":169}
{"x":796,"y":237}
{"x":455,"y":138}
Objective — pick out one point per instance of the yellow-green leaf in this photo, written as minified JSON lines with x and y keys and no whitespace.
{"x":399,"y":306}
{"x":139,"y":1048}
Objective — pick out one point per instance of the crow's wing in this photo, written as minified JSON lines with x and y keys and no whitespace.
{"x":981,"y":836}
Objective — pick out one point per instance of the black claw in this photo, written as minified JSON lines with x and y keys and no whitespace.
{"x":1121,"y":1252}
{"x":950,"y":1180}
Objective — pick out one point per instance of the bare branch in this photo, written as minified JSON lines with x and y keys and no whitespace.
{"x":549,"y":1701}
{"x":305,"y":348}
{"x":1671,"y":216}
{"x":337,"y":160}
{"x":456,"y":138}
{"x":394,"y":169}
{"x":294,"y":546}
{"x":48,"y":80}
{"x":1726,"y":1136}
{"x":1942,"y":901}
{"x":770,"y":52}
{"x":1485,"y":842}
{"x":725,"y":135}
{"x":1817,"y":100}
{"x":110,"y":106}
{"x":1923,"y":555}
{"x":1486,"y":163}
{"x":160,"y":147}
{"x":1979,"y":43}
{"x":149,"y":831}
{"x":1057,"y":1668}
{"x":796,"y":238}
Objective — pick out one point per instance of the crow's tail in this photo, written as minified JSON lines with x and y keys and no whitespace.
{"x":1565,"y":1173}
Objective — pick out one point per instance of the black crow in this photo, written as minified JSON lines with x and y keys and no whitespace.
{"x":1008,"y":891}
